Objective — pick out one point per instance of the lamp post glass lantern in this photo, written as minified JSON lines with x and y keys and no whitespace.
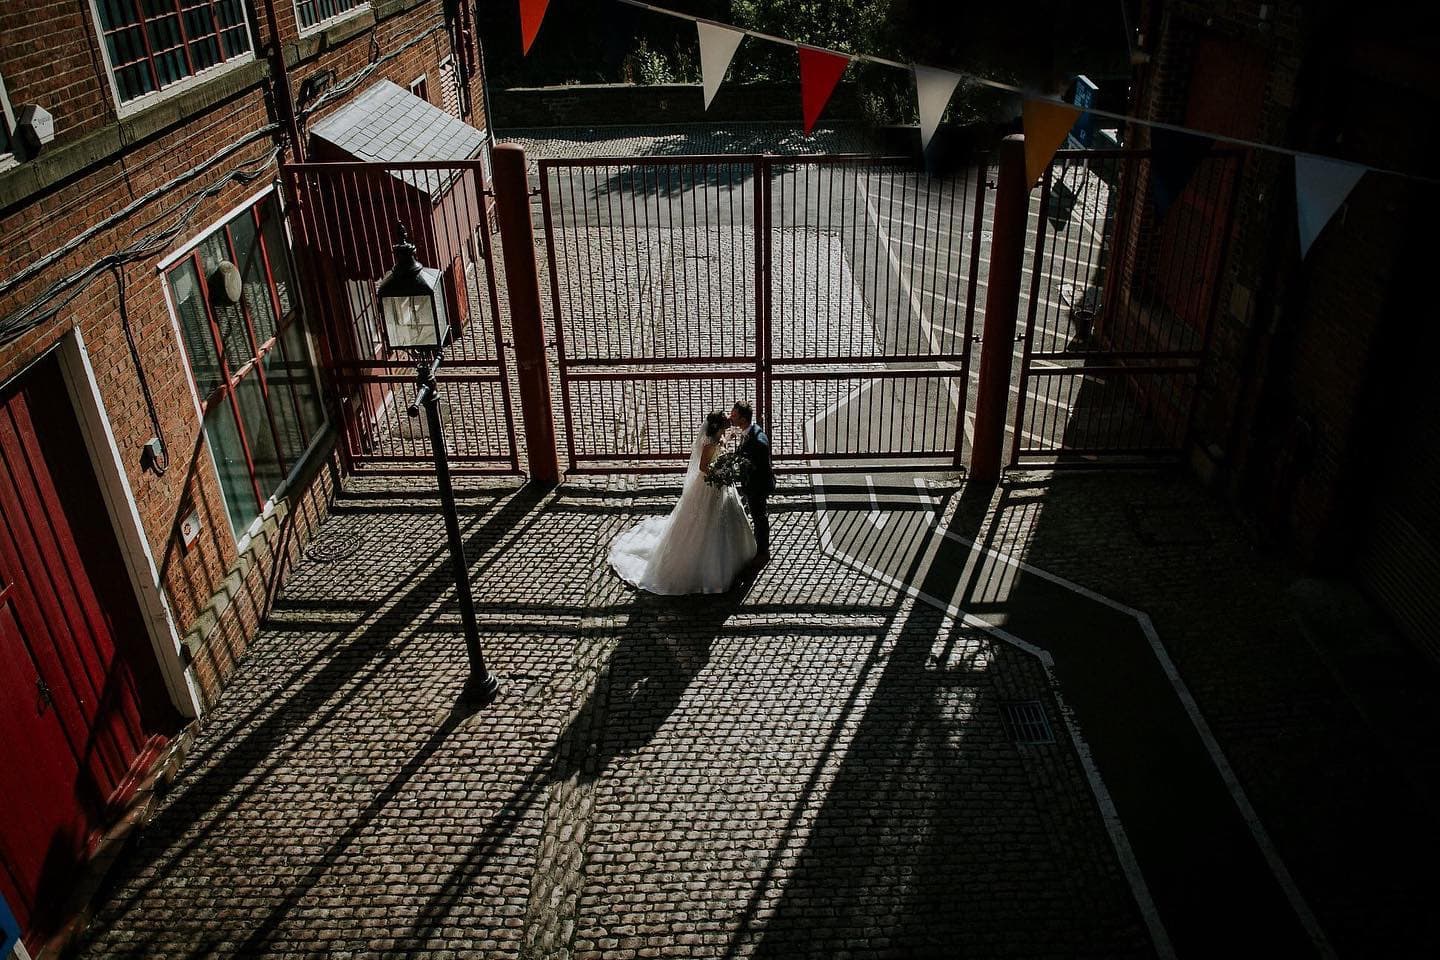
{"x":412,"y":302}
{"x":414,"y":310}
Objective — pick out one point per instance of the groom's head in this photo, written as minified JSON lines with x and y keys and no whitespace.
{"x":741,"y":414}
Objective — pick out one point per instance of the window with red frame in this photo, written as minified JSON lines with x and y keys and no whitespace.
{"x":309,"y":13}
{"x":250,"y":360}
{"x":153,"y":44}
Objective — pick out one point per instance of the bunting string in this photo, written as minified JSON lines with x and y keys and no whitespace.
{"x":1031,"y":95}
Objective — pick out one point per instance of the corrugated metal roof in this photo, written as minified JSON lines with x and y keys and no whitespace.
{"x":388,"y":123}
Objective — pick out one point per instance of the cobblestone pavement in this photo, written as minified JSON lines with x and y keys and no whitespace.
{"x":816,"y":768}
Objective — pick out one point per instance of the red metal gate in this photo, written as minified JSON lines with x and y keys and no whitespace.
{"x":1121,"y":304}
{"x":83,"y":710}
{"x":653,"y":270}
{"x":345,"y":216}
{"x":837,"y":294}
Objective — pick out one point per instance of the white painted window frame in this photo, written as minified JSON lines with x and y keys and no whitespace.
{"x":242,"y":540}
{"x":328,"y":22}
{"x":425,"y":79}
{"x":7,"y":117}
{"x":148,"y":100}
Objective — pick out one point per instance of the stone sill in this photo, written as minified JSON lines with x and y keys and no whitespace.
{"x":57,"y":163}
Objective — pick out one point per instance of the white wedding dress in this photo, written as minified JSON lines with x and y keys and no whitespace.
{"x":699,"y":547}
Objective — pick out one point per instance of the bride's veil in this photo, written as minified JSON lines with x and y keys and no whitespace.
{"x":693,"y":470}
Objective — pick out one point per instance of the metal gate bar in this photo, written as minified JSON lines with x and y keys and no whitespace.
{"x":648,"y":341}
{"x":345,"y":215}
{"x":838,"y":293}
{"x":1120,"y":308}
{"x":871,"y":312}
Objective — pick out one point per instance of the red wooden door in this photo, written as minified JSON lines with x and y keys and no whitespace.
{"x":84,"y":706}
{"x":40,"y":784}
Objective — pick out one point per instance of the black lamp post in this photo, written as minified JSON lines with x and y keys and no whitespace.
{"x":413,"y":304}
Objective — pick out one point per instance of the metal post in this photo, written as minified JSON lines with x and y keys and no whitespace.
{"x":1002,"y":306}
{"x":480,"y":687}
{"x":522,"y":281}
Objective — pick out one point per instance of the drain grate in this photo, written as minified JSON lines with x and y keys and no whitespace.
{"x":1027,"y":722}
{"x":333,"y":547}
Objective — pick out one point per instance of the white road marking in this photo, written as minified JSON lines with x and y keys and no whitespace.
{"x":1108,"y":814}
{"x":1197,"y":720}
{"x":925,"y":327}
{"x":877,"y":516}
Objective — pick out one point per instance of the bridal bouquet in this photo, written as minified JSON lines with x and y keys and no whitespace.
{"x":728,"y":469}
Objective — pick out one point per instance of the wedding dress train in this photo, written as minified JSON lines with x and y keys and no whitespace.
{"x":700,"y":546}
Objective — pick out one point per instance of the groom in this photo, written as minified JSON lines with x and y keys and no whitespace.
{"x":759,"y":481}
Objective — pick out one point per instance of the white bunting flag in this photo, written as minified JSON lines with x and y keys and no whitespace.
{"x":1321,"y":185}
{"x":717,"y":49}
{"x":933,"y":90}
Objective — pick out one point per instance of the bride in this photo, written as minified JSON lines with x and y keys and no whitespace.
{"x":702,"y":544}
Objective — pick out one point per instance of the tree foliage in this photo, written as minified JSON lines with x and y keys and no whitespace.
{"x":1040,"y":44}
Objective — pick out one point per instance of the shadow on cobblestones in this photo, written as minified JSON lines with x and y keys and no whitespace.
{"x":352,"y":642}
{"x":664,"y":644}
{"x":818,"y":766}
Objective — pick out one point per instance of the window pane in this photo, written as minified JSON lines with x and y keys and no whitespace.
{"x":224,"y":439}
{"x":195,"y":328}
{"x":296,"y":370}
{"x":269,"y":469}
{"x":311,"y":12}
{"x":291,"y":436}
{"x":277,"y":250}
{"x":171,"y":56}
{"x":252,"y":270}
{"x":234,"y":335}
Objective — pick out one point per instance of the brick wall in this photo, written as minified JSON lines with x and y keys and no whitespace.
{"x":1294,"y":348}
{"x":222,"y":139}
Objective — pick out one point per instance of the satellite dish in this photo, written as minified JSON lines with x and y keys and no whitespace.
{"x":225,"y":283}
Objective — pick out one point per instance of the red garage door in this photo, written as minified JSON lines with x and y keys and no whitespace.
{"x":82,"y":706}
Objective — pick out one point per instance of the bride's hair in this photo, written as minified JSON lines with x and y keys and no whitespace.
{"x":714,"y":424}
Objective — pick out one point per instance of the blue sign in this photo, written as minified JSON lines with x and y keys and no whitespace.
{"x":9,"y":929}
{"x":1084,"y":129}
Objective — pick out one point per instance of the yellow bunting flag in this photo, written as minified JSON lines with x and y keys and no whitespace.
{"x":1046,"y":125}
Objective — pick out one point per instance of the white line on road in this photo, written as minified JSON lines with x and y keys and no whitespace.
{"x":955,"y":396}
{"x":877,"y":516}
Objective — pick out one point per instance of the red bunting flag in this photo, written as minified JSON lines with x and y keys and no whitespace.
{"x":820,"y":71}
{"x":532,"y":14}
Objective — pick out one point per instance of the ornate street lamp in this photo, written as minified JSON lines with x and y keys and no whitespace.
{"x":412,"y":302}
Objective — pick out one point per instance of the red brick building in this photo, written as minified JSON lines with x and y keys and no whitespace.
{"x":1314,"y":414}
{"x":165,"y":441}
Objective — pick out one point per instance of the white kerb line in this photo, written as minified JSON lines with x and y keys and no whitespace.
{"x":874,"y":216}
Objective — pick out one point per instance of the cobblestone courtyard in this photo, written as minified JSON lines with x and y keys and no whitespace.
{"x":819,"y":767}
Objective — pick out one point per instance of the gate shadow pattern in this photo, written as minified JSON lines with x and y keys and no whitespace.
{"x":424,"y":843}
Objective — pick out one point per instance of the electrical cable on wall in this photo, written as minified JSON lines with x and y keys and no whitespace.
{"x":161,"y":459}
{"x":59,"y":253}
{"x":41,"y":308}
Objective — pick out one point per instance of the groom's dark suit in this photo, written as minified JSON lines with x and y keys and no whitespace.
{"x":758,"y":484}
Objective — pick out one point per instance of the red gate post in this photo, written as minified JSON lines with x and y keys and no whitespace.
{"x":522,"y":281}
{"x":1002,"y":307}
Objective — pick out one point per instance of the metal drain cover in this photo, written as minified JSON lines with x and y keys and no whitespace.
{"x":1027,"y":722}
{"x":332,"y":547}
